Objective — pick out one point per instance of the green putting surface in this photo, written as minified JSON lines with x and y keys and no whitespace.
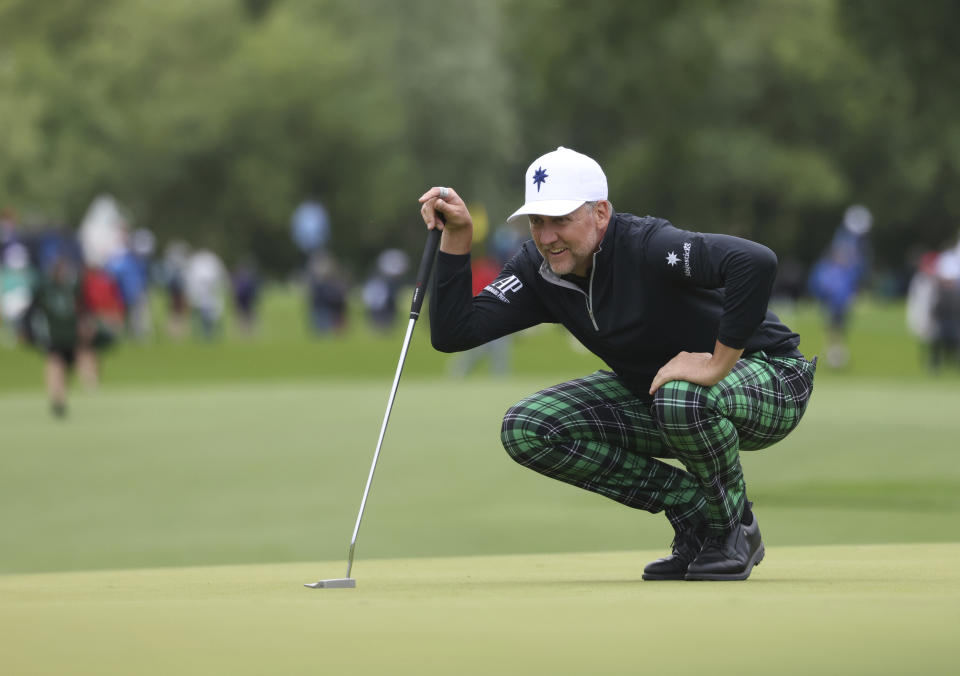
{"x":873,"y":609}
{"x":162,"y":528}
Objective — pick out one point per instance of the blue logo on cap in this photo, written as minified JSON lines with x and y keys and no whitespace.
{"x":539,"y":177}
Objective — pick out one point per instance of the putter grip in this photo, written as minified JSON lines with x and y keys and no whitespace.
{"x":423,"y":274}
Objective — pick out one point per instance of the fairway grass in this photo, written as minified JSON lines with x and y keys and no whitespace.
{"x":870,"y":609}
{"x":221,"y":475}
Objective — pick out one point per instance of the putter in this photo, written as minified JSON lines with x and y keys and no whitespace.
{"x":419,"y":291}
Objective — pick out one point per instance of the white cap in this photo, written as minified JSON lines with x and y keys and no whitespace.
{"x":560,"y":182}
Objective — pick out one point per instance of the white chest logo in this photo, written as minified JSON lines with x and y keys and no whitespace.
{"x":501,"y":287}
{"x":672,"y":259}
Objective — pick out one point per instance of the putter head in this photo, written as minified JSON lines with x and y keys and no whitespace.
{"x":338,"y":583}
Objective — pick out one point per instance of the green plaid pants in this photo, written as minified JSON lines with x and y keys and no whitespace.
{"x":594,"y":433}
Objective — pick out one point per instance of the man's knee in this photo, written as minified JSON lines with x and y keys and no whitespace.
{"x":520,"y":433}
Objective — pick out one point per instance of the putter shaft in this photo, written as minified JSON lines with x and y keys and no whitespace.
{"x":420,"y":289}
{"x":383,"y":431}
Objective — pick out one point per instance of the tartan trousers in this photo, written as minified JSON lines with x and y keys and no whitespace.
{"x":594,"y":433}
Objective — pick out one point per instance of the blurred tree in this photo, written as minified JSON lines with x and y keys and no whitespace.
{"x":740,"y":116}
{"x":211,"y":120}
{"x":257,"y":8}
{"x":915,"y":47}
{"x":212,"y":127}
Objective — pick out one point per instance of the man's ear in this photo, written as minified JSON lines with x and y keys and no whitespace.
{"x":603,"y":212}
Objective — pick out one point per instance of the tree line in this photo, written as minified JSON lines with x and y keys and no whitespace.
{"x":211,"y":120}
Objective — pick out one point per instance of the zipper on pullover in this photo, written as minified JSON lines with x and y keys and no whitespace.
{"x":593,"y":269}
{"x":553,"y":278}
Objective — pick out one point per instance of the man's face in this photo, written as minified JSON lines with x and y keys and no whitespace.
{"x":568,"y":242}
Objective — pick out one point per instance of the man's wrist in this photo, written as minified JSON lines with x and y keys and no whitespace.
{"x":456,"y":241}
{"x":723,"y":360}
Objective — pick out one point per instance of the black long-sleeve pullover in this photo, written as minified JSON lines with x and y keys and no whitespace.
{"x":653,"y":291}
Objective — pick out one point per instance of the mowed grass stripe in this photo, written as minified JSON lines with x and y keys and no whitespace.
{"x":251,"y":473}
{"x":884,"y":609}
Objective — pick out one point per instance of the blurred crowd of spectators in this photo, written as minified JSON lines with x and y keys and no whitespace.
{"x":838,"y":277}
{"x":112,"y":270}
{"x":72,"y":294}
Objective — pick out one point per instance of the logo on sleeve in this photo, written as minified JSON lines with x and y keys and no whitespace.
{"x":686,"y":259}
{"x":501,"y":287}
{"x":672,"y":259}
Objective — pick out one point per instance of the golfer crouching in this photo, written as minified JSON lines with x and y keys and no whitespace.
{"x":699,"y":368}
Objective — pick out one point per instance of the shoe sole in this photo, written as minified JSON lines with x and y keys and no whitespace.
{"x":655,"y":576}
{"x":720,"y":577}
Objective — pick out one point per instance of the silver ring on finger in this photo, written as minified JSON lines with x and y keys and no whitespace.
{"x":444,"y":192}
